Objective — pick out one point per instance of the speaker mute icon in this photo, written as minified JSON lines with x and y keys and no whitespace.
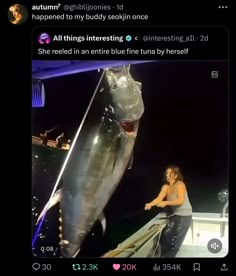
{"x":214,"y":245}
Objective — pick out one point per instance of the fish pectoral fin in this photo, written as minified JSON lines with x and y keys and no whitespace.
{"x":116,"y":150}
{"x":103,"y":222}
{"x":131,"y":160}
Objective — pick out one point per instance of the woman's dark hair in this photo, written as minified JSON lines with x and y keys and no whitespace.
{"x":176,"y":170}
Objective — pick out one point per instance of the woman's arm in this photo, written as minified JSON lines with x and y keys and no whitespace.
{"x":161,"y":196}
{"x":158,"y":199}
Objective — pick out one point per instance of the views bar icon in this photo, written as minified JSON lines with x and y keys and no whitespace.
{"x":156,"y":267}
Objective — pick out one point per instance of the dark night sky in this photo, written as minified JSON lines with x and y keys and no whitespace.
{"x":185,"y":123}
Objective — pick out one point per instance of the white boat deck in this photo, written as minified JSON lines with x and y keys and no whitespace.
{"x":205,"y":226}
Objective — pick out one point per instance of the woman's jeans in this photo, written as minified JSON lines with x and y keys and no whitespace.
{"x":172,"y":236}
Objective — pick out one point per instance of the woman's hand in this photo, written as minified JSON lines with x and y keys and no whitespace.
{"x":147,"y":206}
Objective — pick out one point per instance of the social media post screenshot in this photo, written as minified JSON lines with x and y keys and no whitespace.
{"x":130,"y":148}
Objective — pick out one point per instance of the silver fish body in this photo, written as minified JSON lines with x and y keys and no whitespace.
{"x":100,"y":156}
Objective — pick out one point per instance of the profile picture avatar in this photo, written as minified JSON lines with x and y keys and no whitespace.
{"x":44,"y":38}
{"x":17,"y":14}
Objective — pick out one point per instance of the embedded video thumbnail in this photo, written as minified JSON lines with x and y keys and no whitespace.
{"x":129,"y":159}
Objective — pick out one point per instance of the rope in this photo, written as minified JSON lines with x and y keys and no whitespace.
{"x":129,"y":246}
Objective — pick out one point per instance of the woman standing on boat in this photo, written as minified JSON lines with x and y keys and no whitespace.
{"x":173,"y":195}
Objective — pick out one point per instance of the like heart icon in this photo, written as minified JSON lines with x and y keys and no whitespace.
{"x":116,"y":266}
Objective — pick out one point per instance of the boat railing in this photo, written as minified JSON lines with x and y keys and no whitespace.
{"x":137,"y":244}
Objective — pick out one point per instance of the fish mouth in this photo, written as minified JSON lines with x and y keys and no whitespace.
{"x":69,"y":250}
{"x":129,"y":127}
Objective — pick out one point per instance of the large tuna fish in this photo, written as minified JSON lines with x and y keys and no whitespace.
{"x":99,"y":156}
